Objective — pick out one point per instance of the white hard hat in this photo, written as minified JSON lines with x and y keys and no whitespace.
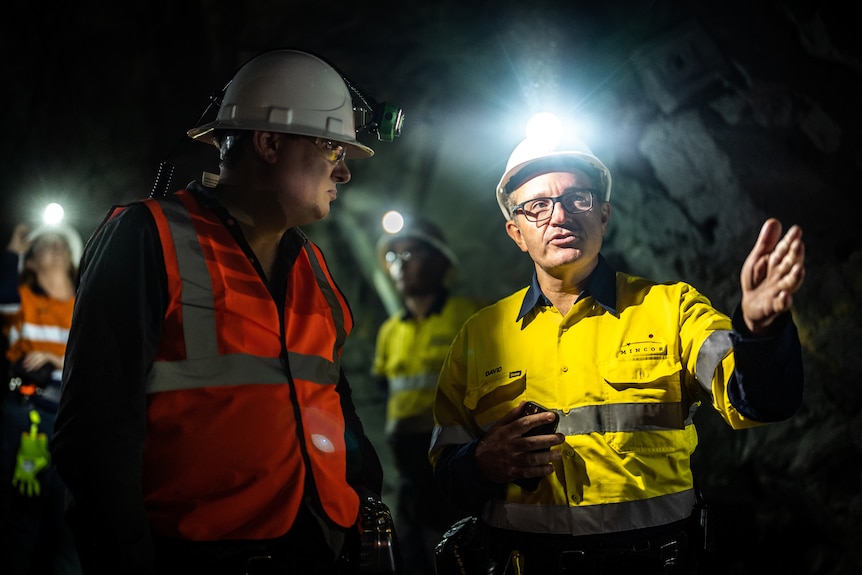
{"x":69,"y":234}
{"x":534,"y":156}
{"x":288,"y":91}
{"x":422,"y":230}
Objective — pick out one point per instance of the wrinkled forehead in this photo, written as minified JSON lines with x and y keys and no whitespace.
{"x":548,"y":165}
{"x":551,"y":184}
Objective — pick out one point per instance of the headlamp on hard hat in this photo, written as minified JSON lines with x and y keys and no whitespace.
{"x":379,"y":118}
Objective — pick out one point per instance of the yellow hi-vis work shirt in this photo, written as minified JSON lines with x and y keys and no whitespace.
{"x":409,"y":354}
{"x":625,"y":380}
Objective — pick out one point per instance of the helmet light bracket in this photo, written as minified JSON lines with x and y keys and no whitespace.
{"x":382,"y":119}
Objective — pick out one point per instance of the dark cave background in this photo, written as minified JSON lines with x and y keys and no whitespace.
{"x":711,"y":116}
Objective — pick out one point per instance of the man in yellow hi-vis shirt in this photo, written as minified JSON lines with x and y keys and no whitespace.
{"x":411,"y":346}
{"x":622,"y":363}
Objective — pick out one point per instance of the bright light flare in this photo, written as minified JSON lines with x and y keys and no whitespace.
{"x":545,"y":127}
{"x":392,"y":222}
{"x":53,"y":214}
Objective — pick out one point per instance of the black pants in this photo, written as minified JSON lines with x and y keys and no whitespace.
{"x":662,"y":551}
{"x":422,"y":513}
{"x":304,"y":549}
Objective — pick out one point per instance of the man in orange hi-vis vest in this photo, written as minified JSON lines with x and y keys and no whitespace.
{"x":206,"y":424}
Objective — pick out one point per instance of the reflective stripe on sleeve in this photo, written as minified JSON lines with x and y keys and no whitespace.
{"x":10,"y":308}
{"x":450,"y":435}
{"x":713,"y":350}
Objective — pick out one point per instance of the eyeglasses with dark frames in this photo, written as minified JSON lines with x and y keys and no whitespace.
{"x":540,"y":209}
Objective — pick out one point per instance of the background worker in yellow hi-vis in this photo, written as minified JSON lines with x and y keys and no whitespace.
{"x":411,"y":346}
{"x":622,"y":363}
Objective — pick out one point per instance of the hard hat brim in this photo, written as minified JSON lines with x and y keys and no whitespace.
{"x":587,"y":160}
{"x":205,"y":133}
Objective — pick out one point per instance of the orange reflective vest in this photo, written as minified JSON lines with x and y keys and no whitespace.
{"x":37,"y":323}
{"x":242,"y":412}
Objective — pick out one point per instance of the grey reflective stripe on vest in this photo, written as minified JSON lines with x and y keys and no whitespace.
{"x":713,"y":350}
{"x":413,"y":382}
{"x":199,"y":324}
{"x":219,"y":370}
{"x":590,"y":519}
{"x":331,"y":298}
{"x":203,"y":366}
{"x":623,"y":417}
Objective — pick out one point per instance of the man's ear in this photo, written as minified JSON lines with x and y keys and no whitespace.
{"x":606,"y":216}
{"x":515,"y":233}
{"x":266,"y":145}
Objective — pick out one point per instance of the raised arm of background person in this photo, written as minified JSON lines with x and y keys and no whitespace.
{"x":9,"y":294}
{"x":101,"y":423}
{"x":9,"y":272}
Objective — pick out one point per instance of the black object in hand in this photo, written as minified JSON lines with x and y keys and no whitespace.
{"x":531,"y":408}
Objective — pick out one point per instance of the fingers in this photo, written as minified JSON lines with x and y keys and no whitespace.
{"x":503,"y":455}
{"x":34,"y":360}
{"x":18,"y":242}
{"x":771,"y":274}
{"x":787,"y":261}
{"x":769,"y":235}
{"x":790,"y":245}
{"x":513,"y":415}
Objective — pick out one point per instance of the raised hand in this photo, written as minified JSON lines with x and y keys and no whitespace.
{"x":771,"y":274}
{"x":18,"y":242}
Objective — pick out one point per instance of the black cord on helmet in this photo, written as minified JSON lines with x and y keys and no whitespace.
{"x":165,"y":173}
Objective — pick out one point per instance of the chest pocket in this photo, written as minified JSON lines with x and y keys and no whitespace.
{"x":496,"y":395}
{"x":642,"y":379}
{"x":645,"y":393}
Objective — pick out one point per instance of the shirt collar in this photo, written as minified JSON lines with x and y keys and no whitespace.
{"x":601,"y":285}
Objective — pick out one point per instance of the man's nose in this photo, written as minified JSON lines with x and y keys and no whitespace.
{"x":559,"y":214}
{"x":341,"y":173}
{"x":396,"y":269}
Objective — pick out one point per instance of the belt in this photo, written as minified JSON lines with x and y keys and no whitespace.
{"x":649,"y":552}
